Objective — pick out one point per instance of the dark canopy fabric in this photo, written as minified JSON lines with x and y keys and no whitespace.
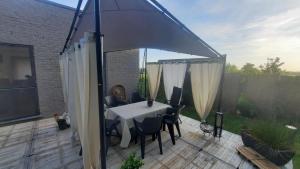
{"x":132,"y":24}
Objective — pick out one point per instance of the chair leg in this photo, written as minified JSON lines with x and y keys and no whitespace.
{"x":164,"y":126}
{"x":171,"y":131}
{"x":180,"y":120}
{"x":136,"y":139}
{"x":117,"y":132}
{"x":178,"y":129}
{"x":142,"y":146}
{"x":159,"y":142}
{"x":153,"y":137}
{"x":80,"y":152}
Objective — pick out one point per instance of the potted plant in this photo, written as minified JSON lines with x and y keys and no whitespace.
{"x":271,"y":140}
{"x":132,"y":162}
{"x":150,"y":102}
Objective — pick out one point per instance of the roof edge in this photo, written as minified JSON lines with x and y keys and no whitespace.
{"x":56,"y":4}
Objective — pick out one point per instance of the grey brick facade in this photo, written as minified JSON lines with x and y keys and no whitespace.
{"x":45,"y":27}
{"x":122,"y":68}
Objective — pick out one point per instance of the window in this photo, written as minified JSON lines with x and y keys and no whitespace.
{"x":16,"y":68}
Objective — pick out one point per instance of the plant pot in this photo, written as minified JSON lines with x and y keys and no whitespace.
{"x":278,"y":157}
{"x":150,"y":102}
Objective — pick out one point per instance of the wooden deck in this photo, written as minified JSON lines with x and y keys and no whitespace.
{"x":255,"y":158}
{"x":39,"y":145}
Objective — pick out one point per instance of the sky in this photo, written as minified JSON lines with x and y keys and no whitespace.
{"x":246,"y":31}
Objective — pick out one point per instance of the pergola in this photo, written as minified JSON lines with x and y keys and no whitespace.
{"x":123,"y":25}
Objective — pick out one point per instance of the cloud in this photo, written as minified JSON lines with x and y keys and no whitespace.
{"x":247,"y":31}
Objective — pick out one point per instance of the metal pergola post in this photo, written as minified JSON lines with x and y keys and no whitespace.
{"x":99,"y":57}
{"x":145,"y":80}
{"x":77,"y":11}
{"x":219,"y":114}
{"x":221,"y":85}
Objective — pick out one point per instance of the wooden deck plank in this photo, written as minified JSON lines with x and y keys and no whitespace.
{"x":257,"y":159}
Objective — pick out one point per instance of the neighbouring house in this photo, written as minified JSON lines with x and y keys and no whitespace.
{"x":32,"y":33}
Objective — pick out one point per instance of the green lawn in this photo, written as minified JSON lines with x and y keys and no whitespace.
{"x":234,"y":123}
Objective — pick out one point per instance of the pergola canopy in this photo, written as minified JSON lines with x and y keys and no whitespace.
{"x":132,"y":24}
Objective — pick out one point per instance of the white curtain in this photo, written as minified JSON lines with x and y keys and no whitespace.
{"x":153,"y":75}
{"x":205,"y":80}
{"x":84,"y":93}
{"x":64,"y":72}
{"x":78,"y":85}
{"x":71,"y":104}
{"x":66,"y":67}
{"x":173,"y":74}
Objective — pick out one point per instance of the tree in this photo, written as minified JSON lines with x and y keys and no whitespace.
{"x":273,"y":66}
{"x":250,"y":69}
{"x":230,"y":68}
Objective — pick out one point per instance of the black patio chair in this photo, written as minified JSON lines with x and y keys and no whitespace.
{"x":149,"y":126}
{"x":171,"y":119}
{"x":173,"y":113}
{"x":175,"y":100}
{"x":112,"y":101}
{"x":111,"y":130}
{"x":136,"y":97}
{"x":175,"y":97}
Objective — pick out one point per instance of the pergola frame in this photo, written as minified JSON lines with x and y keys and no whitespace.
{"x":196,"y":60}
{"x":99,"y":58}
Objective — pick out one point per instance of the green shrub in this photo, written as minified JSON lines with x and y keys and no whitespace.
{"x":273,"y":134}
{"x":246,"y":107}
{"x":132,"y":162}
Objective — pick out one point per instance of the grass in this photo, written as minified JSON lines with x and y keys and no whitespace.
{"x":234,"y":124}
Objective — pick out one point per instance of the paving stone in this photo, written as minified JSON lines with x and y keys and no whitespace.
{"x":13,"y":156}
{"x":151,"y":163}
{"x":77,"y":164}
{"x":191,"y":166}
{"x":6,"y":130}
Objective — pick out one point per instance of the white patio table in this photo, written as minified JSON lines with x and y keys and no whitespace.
{"x":138,"y":111}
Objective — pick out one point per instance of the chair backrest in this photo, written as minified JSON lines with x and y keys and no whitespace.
{"x":136,"y":97}
{"x":175,"y":97}
{"x":110,"y":101}
{"x":119,"y":92}
{"x":151,"y":124}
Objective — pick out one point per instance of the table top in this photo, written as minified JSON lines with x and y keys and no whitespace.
{"x":133,"y":110}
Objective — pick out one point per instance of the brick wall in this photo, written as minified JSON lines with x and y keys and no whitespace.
{"x":123,"y":68}
{"x":45,"y":27}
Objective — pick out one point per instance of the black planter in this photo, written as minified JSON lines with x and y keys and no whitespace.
{"x":278,"y":157}
{"x":150,"y":102}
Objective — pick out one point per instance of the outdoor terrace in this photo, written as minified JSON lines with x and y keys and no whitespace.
{"x":39,"y":144}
